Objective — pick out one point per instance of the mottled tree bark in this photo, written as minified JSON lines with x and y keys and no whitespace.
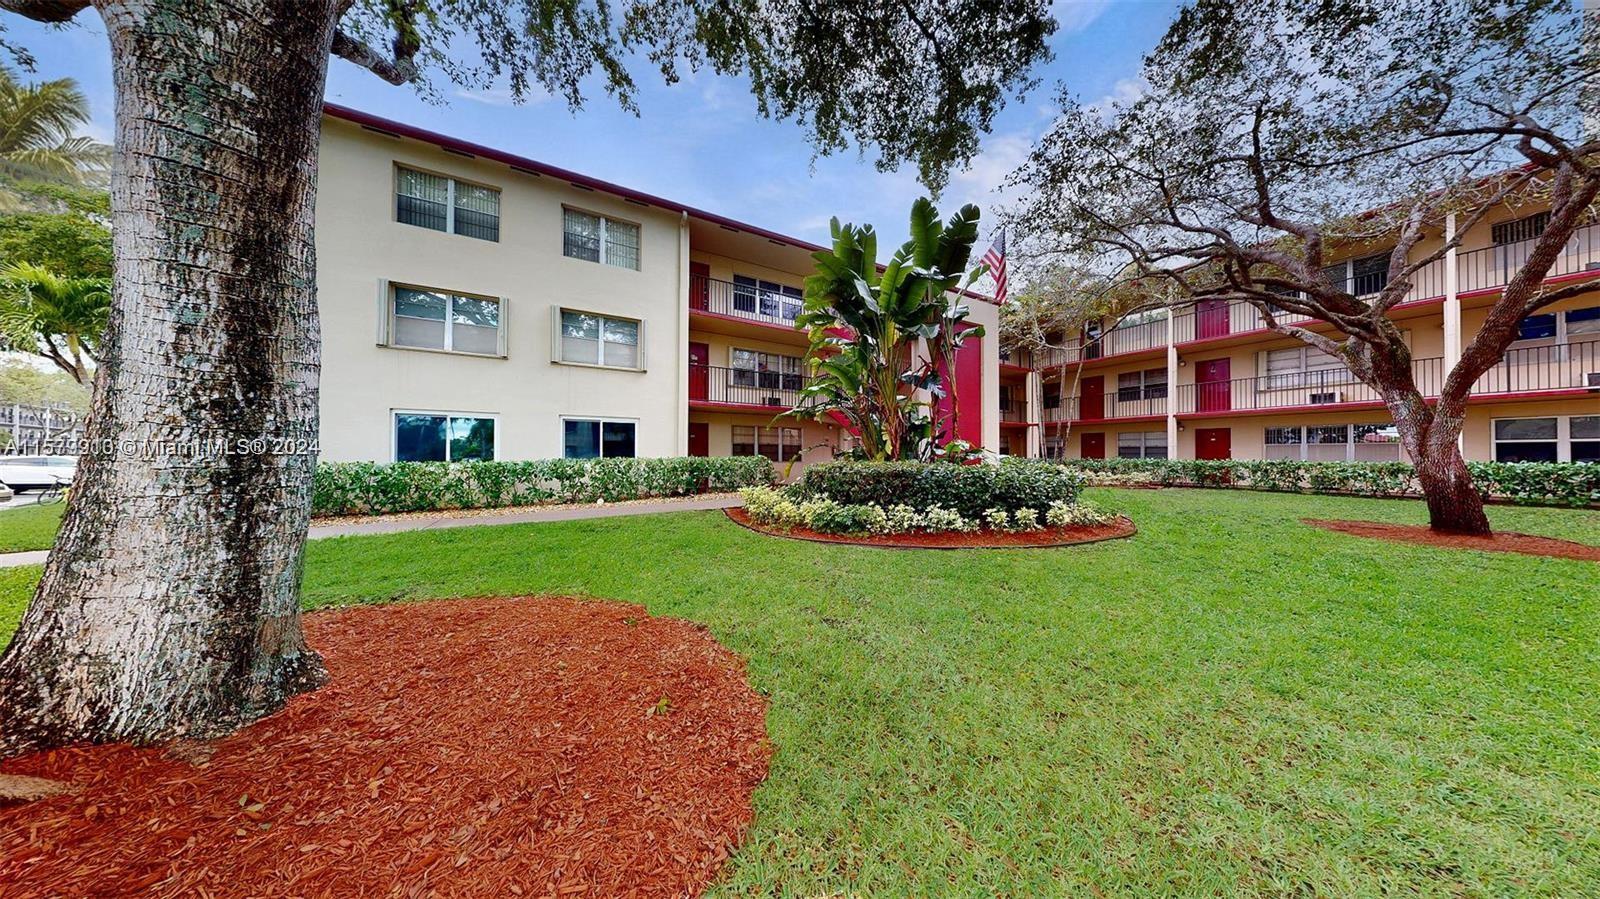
{"x":169,"y":605}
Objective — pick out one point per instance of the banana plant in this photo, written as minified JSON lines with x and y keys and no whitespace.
{"x":883,"y":344}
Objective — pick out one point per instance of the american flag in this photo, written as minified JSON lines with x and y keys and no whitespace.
{"x":995,"y":259}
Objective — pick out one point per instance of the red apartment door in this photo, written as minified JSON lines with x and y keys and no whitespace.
{"x":1211,"y":383}
{"x":699,"y":285}
{"x":1213,"y":443}
{"x":699,"y":438}
{"x":1094,"y":446}
{"x":699,"y":374}
{"x":1210,"y":319}
{"x":1092,"y":400}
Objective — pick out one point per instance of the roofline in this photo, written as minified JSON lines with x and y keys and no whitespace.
{"x":457,"y":145}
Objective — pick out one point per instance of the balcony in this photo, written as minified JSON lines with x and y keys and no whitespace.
{"x":1524,"y":371}
{"x":1107,"y":407}
{"x":1480,"y":270}
{"x":743,"y":389}
{"x":749,"y":302}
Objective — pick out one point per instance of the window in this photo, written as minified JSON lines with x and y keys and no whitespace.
{"x":1526,"y":228}
{"x":443,"y":437}
{"x":1360,"y":277}
{"x":593,"y":438}
{"x":1142,"y":445}
{"x":445,"y":204}
{"x":437,"y":320}
{"x":753,"y":296}
{"x":1055,"y":448}
{"x":770,"y":370}
{"x":1573,"y":438}
{"x":1150,"y":384}
{"x":596,"y":238}
{"x":1300,"y":366}
{"x":590,"y":339}
{"x":1334,"y":443}
{"x":1561,"y":327}
{"x":777,"y":444}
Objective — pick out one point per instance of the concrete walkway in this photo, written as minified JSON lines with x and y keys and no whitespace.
{"x":423,"y":521}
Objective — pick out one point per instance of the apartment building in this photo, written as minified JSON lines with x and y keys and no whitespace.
{"x":1210,"y":382}
{"x":478,"y":304}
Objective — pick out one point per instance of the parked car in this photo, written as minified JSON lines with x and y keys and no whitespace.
{"x":36,"y":472}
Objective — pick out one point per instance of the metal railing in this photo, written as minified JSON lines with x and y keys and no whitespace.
{"x":41,"y":430}
{"x":743,"y":301}
{"x":1569,"y":366}
{"x":745,"y":387}
{"x":1017,"y":411}
{"x":1481,"y":269}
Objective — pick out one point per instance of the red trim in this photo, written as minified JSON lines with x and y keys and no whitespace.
{"x":722,"y":316}
{"x":753,"y":408}
{"x":1125,"y":356}
{"x":1018,"y":424}
{"x":1098,"y":421}
{"x":1474,"y":399}
{"x":401,"y":129}
{"x":1553,"y":279}
{"x":1012,"y":369}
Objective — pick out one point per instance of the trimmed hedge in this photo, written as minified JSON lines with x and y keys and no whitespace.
{"x":970,"y":490}
{"x":1528,"y":483}
{"x":377,"y":488}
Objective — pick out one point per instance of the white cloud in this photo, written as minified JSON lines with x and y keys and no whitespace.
{"x":1124,"y":92}
{"x":501,"y":96}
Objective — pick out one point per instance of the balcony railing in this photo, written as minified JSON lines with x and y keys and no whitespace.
{"x":745,"y":387}
{"x":1567,"y":366}
{"x":1482,"y":269}
{"x":1015,"y":412}
{"x":749,"y":301}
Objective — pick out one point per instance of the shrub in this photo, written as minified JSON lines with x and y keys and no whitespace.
{"x":968,"y":490}
{"x":1063,"y":515}
{"x":997,"y":519}
{"x":375,"y":488}
{"x":1025,"y":519}
{"x":901,"y":519}
{"x":1538,"y":483}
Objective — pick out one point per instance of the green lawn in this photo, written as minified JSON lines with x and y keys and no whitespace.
{"x":1230,"y":703}
{"x":29,"y":526}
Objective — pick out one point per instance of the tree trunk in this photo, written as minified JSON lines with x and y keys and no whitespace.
{"x":1454,"y":504}
{"x":169,"y":607}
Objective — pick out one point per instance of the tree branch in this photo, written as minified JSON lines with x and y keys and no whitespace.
{"x":45,"y":10}
{"x":402,"y":68}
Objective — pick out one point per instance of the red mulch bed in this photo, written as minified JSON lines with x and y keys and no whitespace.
{"x":1500,"y":542}
{"x":1043,"y":537}
{"x":485,"y":747}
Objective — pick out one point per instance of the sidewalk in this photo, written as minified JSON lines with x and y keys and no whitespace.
{"x":423,"y":521}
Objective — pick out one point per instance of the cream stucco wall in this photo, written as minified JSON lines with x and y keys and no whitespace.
{"x":360,"y":244}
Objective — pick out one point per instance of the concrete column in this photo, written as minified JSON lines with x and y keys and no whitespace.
{"x":1452,"y":313}
{"x":1172,"y":386}
{"x":1034,"y":393}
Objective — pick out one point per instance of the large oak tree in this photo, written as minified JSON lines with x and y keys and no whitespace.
{"x":1273,"y":136}
{"x":168,"y":607}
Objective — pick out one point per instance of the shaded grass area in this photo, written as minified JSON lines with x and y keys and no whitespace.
{"x":29,"y":526}
{"x":1230,"y":702}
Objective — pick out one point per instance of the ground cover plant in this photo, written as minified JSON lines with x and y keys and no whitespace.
{"x":849,"y":497}
{"x":1229,"y":703}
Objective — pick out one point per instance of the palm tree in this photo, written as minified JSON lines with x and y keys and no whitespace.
{"x":58,"y":318}
{"x":37,"y":122}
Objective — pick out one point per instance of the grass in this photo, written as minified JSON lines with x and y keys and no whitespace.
{"x":30,"y":526}
{"x":1230,"y":703}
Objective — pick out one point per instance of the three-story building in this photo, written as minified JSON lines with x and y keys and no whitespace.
{"x":1211,"y":382}
{"x":477,"y":304}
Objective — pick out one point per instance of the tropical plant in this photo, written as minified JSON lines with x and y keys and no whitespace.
{"x":58,"y":318}
{"x":37,"y":122}
{"x":866,"y":329}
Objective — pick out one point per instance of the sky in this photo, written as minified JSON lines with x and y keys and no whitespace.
{"x":701,"y":141}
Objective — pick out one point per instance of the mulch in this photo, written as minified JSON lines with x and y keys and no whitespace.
{"x":1035,"y":539}
{"x":1499,"y":542}
{"x":537,"y":746}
